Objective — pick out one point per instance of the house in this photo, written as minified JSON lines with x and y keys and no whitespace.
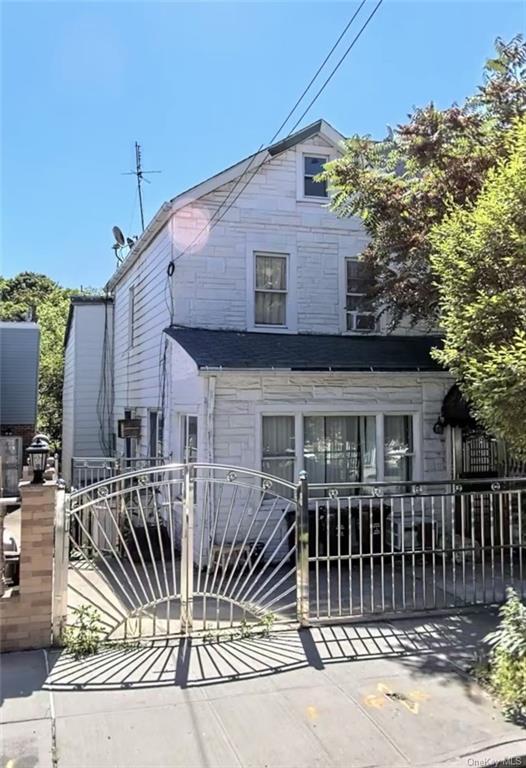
{"x":240,"y":335}
{"x":19,"y":357}
{"x":87,"y":413}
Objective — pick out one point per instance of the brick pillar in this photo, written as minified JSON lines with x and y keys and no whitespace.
{"x":26,"y":611}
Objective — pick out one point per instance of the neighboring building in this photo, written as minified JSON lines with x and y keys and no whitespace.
{"x":19,"y":354}
{"x":241,"y":335}
{"x":87,"y":394}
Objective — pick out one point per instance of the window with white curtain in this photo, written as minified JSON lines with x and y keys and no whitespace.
{"x":398,"y":448}
{"x":278,"y":442}
{"x":340,"y":448}
{"x":271,"y":289}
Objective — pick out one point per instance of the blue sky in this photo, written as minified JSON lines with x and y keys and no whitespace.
{"x":200,"y":85}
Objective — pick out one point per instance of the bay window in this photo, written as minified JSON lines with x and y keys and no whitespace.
{"x":271,"y":289}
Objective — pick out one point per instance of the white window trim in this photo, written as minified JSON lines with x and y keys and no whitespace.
{"x":181,"y":432}
{"x":273,"y":245}
{"x":312,"y":150}
{"x":378,"y":328}
{"x":281,"y":291}
{"x":300,"y":411}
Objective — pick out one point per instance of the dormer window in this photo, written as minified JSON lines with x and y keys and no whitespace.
{"x":359,"y":309}
{"x":312,"y":166}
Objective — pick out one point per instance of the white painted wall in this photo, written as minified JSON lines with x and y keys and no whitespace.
{"x":138,"y":367}
{"x":81,"y":432}
{"x":241,"y":399}
{"x":68,"y":403}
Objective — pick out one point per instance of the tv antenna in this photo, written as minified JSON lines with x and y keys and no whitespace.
{"x":140,"y":175}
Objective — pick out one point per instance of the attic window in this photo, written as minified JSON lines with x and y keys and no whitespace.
{"x":312,"y":166}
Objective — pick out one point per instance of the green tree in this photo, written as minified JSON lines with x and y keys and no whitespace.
{"x":479,"y":258}
{"x":34,"y":295}
{"x":404,"y":186}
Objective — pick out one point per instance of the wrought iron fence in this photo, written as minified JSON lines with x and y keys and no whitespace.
{"x":383,"y":548}
{"x":174,"y":548}
{"x":88,"y":470}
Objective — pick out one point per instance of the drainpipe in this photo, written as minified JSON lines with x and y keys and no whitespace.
{"x":210,"y":408}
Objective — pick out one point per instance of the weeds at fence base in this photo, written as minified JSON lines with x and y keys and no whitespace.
{"x":245,"y":630}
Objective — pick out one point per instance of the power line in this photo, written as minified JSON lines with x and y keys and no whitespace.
{"x":214,"y":221}
{"x":291,"y":112}
{"x":338,"y":65}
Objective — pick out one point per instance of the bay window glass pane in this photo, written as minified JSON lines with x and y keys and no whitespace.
{"x":270,"y":308}
{"x":271,"y":272}
{"x":398,"y":447}
{"x":340,"y":449}
{"x":278,"y":446}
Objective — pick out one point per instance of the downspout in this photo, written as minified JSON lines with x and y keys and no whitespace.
{"x":210,"y":408}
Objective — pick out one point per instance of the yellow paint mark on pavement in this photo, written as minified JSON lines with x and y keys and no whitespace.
{"x":385,"y":694}
{"x":312,"y":712}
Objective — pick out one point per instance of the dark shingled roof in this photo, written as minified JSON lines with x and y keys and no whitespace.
{"x":305,"y":352}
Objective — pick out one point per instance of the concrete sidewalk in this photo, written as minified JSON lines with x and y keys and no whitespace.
{"x":384,"y":694}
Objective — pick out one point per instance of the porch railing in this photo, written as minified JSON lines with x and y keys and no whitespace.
{"x":87,"y":470}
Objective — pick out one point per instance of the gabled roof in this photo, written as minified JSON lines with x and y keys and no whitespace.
{"x":235,"y":350}
{"x":321,"y":127}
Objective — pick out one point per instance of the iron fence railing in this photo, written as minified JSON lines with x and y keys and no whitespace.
{"x":88,"y":470}
{"x":204,"y":546}
{"x":392,"y":547}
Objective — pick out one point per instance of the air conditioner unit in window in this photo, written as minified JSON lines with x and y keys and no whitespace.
{"x":129,"y":428}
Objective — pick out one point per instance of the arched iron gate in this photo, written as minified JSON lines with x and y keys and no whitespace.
{"x":183,"y":547}
{"x":165,"y":550}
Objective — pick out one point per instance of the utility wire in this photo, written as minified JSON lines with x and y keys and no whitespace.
{"x":218,"y":216}
{"x":291,"y":112}
{"x":338,"y":65}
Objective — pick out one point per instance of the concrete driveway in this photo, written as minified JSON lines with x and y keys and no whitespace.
{"x":383,"y":694}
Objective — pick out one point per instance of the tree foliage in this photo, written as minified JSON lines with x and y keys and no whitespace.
{"x":479,"y":257}
{"x":404,"y":186}
{"x":34,"y":295}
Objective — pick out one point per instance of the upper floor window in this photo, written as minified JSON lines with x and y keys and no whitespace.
{"x":312,"y":166}
{"x":271,"y":289}
{"x":359,"y":310}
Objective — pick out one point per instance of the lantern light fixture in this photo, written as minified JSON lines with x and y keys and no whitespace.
{"x":37,"y":454}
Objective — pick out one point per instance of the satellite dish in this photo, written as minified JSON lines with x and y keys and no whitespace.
{"x":119,"y":237}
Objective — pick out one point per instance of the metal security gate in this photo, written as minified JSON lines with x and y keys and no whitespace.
{"x":176,"y":548}
{"x":181,"y":548}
